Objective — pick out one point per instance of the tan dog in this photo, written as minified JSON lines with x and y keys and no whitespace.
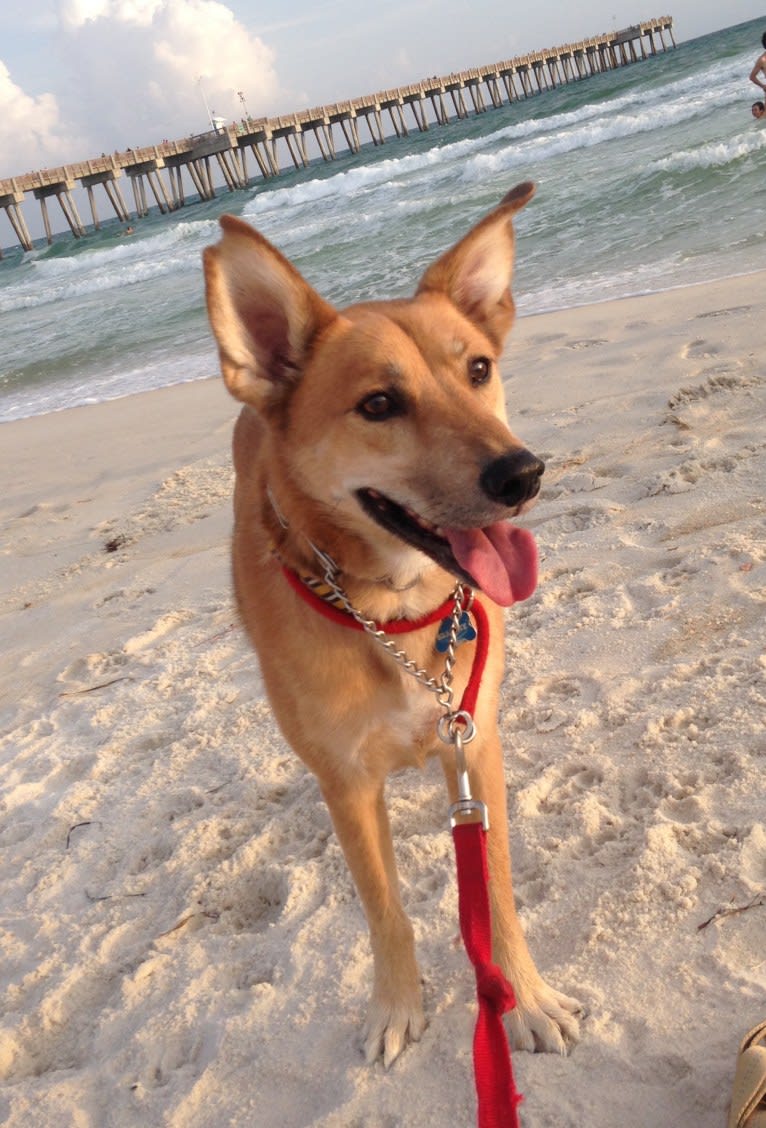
{"x":378,"y":435}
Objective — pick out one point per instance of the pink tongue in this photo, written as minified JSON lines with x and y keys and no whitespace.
{"x":501,"y":558}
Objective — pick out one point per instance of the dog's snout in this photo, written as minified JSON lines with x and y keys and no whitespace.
{"x":513,"y":478}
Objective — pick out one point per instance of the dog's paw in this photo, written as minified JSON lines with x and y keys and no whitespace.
{"x":545,"y":1020}
{"x":391,"y":1025}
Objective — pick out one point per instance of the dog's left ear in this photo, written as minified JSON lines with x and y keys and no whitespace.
{"x":476,"y":273}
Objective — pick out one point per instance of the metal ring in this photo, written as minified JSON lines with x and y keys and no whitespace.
{"x":448,"y":731}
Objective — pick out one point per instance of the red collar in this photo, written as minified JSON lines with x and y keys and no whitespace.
{"x":404,"y":626}
{"x":337,"y":615}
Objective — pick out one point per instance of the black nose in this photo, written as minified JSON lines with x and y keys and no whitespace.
{"x":514,"y":478}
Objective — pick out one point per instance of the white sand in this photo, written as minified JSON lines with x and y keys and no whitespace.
{"x":181,"y":944}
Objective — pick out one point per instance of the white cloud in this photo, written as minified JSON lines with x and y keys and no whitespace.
{"x":127,"y":74}
{"x":31,"y":132}
{"x":75,"y":13}
{"x":139,"y":62}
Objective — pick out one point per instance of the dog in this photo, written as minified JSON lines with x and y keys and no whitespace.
{"x":373,"y":456}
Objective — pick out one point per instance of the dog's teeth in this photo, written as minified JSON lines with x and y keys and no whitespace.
{"x":429,"y":528}
{"x":423,"y":524}
{"x":385,"y":505}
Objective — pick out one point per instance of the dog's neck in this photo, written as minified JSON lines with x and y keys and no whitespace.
{"x":381,"y":596}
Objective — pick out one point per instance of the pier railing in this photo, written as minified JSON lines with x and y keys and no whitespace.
{"x":432,"y":102}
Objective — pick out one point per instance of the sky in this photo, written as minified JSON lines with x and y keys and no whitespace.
{"x":82,"y":77}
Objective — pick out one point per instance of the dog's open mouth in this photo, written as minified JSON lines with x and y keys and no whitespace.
{"x":500,"y":559}
{"x":409,"y":527}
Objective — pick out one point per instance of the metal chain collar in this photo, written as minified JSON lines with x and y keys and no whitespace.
{"x":441,"y":686}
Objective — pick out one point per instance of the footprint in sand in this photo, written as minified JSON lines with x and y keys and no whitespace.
{"x":724,"y":312}
{"x":252,"y":900}
{"x":691,"y":471}
{"x":553,"y":702}
{"x":165,"y":625}
{"x":719,"y":379}
{"x":700,"y":349}
{"x":559,"y":788}
{"x":548,"y":338}
{"x":93,"y":670}
{"x":588,"y":343}
{"x":190,"y":494}
{"x":580,"y":518}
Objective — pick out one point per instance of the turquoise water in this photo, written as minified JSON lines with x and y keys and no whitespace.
{"x":648,"y":177}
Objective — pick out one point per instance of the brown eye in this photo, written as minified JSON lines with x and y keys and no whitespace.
{"x":480,"y":370}
{"x":379,"y":406}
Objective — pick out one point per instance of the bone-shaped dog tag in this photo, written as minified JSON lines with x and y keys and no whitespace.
{"x":465,"y":632}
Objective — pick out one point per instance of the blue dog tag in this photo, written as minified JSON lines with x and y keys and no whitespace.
{"x":465,"y":632}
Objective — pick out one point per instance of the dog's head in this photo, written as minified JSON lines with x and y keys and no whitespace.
{"x":385,"y":422}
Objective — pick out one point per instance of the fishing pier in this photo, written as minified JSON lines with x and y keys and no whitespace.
{"x":271,"y":143}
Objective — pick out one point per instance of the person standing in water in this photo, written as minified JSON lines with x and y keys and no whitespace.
{"x":758,"y":73}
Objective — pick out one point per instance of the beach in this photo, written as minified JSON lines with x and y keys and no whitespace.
{"x":182,"y":944}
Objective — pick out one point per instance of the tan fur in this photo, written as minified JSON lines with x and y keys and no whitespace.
{"x":301,"y":368}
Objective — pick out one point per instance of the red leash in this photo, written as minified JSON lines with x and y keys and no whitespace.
{"x":496,"y":1091}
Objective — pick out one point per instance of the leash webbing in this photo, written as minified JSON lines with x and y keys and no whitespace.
{"x":497,"y":1096}
{"x":471,"y":693}
{"x":496,"y":1092}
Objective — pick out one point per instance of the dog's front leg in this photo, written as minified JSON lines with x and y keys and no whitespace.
{"x":395,"y":1013}
{"x":543,"y":1018}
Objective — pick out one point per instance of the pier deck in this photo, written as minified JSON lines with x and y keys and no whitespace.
{"x":342,"y":126}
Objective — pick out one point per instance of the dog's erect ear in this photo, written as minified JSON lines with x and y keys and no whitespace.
{"x":476,"y":273}
{"x":263,"y":312}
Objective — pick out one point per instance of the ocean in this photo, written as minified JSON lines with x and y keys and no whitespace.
{"x":649,"y":177}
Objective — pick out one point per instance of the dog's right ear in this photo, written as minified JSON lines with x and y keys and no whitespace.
{"x":264,"y":314}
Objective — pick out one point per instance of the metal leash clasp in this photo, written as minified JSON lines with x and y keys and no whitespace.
{"x":458,"y":729}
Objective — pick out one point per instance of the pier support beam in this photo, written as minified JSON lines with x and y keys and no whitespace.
{"x":526,"y":82}
{"x":176,"y":184}
{"x":139,"y":195}
{"x":323,"y":136}
{"x":350,"y":132}
{"x":458,"y":101}
{"x":440,"y":110}
{"x":490,"y":81}
{"x":62,"y":190}
{"x":262,"y":160}
{"x":112,"y":189}
{"x":374,"y":122}
{"x":396,"y":113}
{"x":9,"y":202}
{"x":474,"y":90}
{"x":419,"y":113}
